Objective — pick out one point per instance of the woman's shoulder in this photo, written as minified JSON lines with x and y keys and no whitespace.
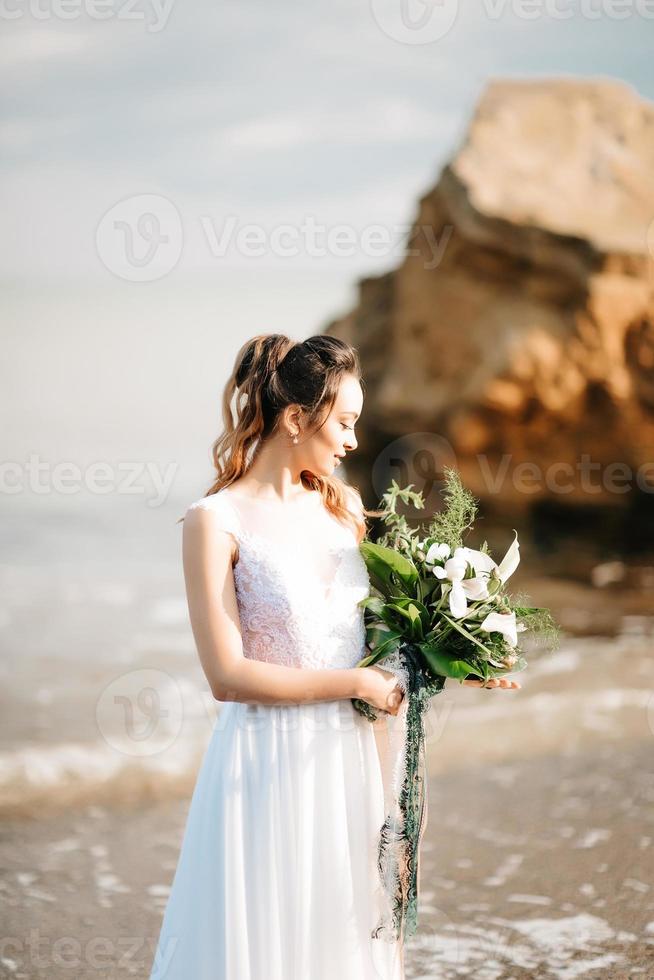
{"x":211,"y":501}
{"x":217,"y":503}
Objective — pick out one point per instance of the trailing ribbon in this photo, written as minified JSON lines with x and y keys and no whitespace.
{"x":401,"y":746}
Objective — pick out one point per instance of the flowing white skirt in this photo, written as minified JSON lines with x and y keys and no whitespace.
{"x":277,"y":876}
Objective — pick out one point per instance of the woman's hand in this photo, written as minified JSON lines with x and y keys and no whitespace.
{"x":380,"y":688}
{"x":505,"y":682}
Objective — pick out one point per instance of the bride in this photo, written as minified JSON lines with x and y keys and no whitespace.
{"x":277,"y":876}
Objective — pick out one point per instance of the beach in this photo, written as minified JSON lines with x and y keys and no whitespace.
{"x":537,"y":858}
{"x":511,"y":886}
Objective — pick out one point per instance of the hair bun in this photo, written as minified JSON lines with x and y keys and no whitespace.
{"x":260,"y":357}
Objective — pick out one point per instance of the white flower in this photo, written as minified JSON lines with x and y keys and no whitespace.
{"x":454,"y":570}
{"x":511,"y":559}
{"x":483,"y":564}
{"x":502,"y":623}
{"x":437,"y":552}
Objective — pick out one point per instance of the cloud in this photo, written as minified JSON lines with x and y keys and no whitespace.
{"x":381,"y":121}
{"x":27,"y":48}
{"x":266,"y":112}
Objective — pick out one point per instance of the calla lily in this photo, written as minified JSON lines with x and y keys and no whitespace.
{"x":483,"y":564}
{"x":480,"y":561}
{"x":502,"y":623}
{"x":511,"y":559}
{"x":454,"y":569}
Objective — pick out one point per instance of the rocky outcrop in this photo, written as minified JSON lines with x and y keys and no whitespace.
{"x":519,"y":327}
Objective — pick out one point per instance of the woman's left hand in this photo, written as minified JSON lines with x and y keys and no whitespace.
{"x":504,"y":682}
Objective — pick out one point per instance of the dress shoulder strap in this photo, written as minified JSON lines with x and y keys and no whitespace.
{"x":226,"y":515}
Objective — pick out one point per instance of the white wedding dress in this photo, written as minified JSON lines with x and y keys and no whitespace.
{"x":277,"y":877}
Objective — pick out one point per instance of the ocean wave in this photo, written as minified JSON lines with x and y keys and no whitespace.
{"x":38,"y":778}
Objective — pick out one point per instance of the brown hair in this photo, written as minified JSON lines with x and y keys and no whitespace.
{"x":270,"y":372}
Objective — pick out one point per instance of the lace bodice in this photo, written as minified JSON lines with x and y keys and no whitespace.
{"x":298,"y":577}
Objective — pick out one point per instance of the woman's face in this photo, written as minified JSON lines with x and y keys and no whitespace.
{"x":326,"y":447}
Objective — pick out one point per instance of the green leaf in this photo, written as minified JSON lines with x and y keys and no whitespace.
{"x":372,"y":602}
{"x":389,"y":567}
{"x":376,"y":633}
{"x":383,"y":649}
{"x":412,"y":616}
{"x":407,"y":615}
{"x":440,"y":662}
{"x":428,"y":587}
{"x":464,"y":632}
{"x":415,"y":604}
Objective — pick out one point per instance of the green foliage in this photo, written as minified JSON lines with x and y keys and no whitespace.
{"x":448,"y":525}
{"x":399,"y":534}
{"x":539,"y":621}
{"x":388,"y":568}
{"x":409,"y":606}
{"x":457,"y":517}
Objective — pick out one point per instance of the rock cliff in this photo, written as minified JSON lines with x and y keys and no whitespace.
{"x":519,"y":326}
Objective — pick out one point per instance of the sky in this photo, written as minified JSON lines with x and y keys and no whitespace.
{"x":214,"y":137}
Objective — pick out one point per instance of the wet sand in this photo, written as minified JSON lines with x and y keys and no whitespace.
{"x":536,"y":868}
{"x":537,"y":860}
{"x":541,"y":868}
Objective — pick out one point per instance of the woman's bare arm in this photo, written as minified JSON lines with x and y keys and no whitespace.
{"x":213,"y":609}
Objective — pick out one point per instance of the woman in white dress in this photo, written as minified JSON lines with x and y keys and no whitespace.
{"x":277,"y":877}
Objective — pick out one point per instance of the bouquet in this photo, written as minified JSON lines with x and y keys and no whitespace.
{"x":436,"y":609}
